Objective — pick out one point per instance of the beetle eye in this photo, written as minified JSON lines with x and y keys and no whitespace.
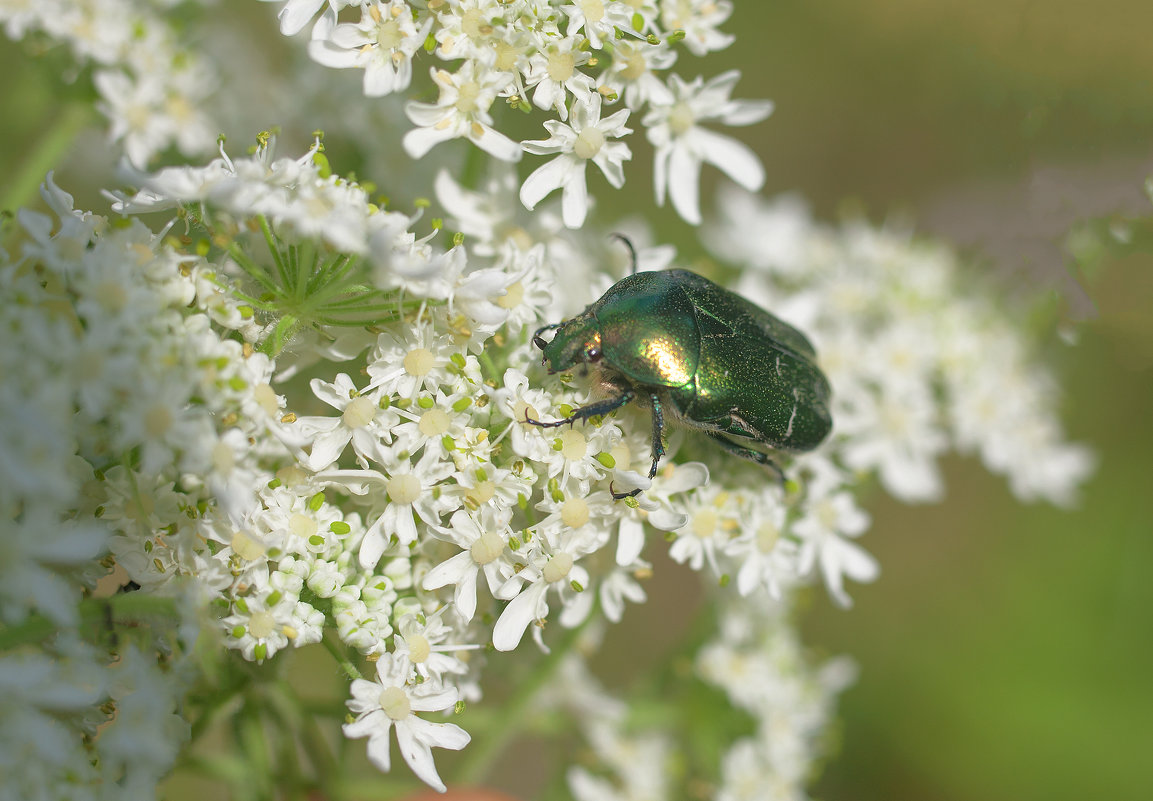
{"x":593,"y":354}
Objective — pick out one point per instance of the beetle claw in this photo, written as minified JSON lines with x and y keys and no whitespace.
{"x":620,"y":496}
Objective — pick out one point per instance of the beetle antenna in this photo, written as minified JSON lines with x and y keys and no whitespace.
{"x":628,"y":244}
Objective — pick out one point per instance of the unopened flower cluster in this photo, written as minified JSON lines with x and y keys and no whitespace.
{"x":315,"y":415}
{"x":572,"y":60}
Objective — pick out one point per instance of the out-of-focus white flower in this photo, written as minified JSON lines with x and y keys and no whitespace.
{"x":682,"y":145}
{"x":382,"y":44}
{"x":461,"y":111}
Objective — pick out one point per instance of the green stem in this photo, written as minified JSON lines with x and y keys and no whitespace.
{"x":510,"y":719}
{"x":133,"y":607}
{"x":341,"y":659}
{"x":277,"y":256}
{"x":48,"y":154}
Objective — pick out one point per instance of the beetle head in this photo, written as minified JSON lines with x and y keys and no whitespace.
{"x":577,"y":341}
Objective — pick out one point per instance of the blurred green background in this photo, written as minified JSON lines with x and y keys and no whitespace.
{"x":1007,"y":651}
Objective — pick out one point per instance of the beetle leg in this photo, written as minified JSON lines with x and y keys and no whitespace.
{"x":658,"y":447}
{"x":585,"y":412}
{"x":536,"y":337}
{"x":658,"y":431}
{"x":748,"y":453}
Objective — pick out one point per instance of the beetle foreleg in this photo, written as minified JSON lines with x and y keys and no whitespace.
{"x":536,"y":337}
{"x":585,"y":412}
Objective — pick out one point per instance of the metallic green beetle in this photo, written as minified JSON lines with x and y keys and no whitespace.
{"x":722,"y":365}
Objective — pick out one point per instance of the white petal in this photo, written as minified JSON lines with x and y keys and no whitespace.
{"x":496,"y":144}
{"x":327,"y":448}
{"x":684,"y":184}
{"x":450,"y":571}
{"x":515,"y":618}
{"x":690,"y":475}
{"x":543,"y":180}
{"x":417,"y":755}
{"x":630,"y":542}
{"x":419,"y":141}
{"x":733,"y":158}
{"x":667,"y":520}
{"x":575,"y":199}
{"x":296,"y":14}
{"x":747,"y":112}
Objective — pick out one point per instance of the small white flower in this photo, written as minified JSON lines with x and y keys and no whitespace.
{"x":714,"y":517}
{"x":461,"y":111}
{"x":382,"y":44}
{"x":682,"y":145}
{"x":391,"y":701}
{"x":600,"y":19}
{"x":483,"y":536}
{"x":553,"y":568}
{"x":699,"y":20}
{"x":823,"y":529}
{"x":364,"y":421}
{"x":585,"y":140}
{"x":554,"y":71}
{"x":408,"y":495}
{"x":633,"y":71}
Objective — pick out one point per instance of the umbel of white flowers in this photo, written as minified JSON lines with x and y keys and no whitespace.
{"x":420,"y":518}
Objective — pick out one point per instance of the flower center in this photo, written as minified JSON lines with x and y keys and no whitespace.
{"x":512,"y":297}
{"x":419,"y":362}
{"x":433,"y":423}
{"x":573,"y":445}
{"x":302,"y":525}
{"x":588,"y":142}
{"x":467,"y":94}
{"x":560,"y":66}
{"x":681,"y":118}
{"x":705,"y":523}
{"x":157,"y":420}
{"x":418,"y":648}
{"x":506,"y":56}
{"x":557,"y":567}
{"x":635,"y":65}
{"x":403,"y":488}
{"x":247,"y":547}
{"x":474,"y":25}
{"x":223,"y":459}
{"x":359,"y":412}
{"x":394,"y":702}
{"x":594,"y":10}
{"x":767,"y":537}
{"x":482,"y":493}
{"x":487,"y":548}
{"x":389,"y":35}
{"x":265,"y":397}
{"x":574,"y":513}
{"x":261,"y":624}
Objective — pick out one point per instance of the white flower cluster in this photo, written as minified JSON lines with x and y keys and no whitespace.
{"x":151,"y":89}
{"x":99,"y":364}
{"x":403,"y":509}
{"x":569,"y":59}
{"x":758,"y":660}
{"x":920,"y":364}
